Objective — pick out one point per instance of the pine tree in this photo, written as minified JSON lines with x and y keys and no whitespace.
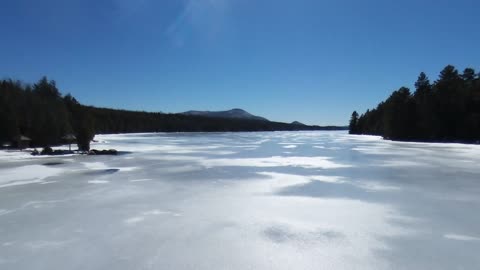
{"x":353,"y":126}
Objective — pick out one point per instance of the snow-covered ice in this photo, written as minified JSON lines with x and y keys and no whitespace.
{"x":240,"y":201}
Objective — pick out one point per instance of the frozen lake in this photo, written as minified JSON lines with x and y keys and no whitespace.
{"x":281,"y":200}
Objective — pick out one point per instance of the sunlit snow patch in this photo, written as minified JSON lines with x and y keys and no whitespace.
{"x":95,"y":165}
{"x":291,"y":146}
{"x":26,"y":175}
{"x":140,"y":180}
{"x":461,"y":237}
{"x":276,"y":161}
{"x":98,"y":181}
{"x":146,"y":214}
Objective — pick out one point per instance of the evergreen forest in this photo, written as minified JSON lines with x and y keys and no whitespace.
{"x":447,"y":110}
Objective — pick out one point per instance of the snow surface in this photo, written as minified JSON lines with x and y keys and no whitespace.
{"x":239,"y":201}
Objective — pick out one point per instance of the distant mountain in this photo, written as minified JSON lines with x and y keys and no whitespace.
{"x":296,"y":123}
{"x":233,"y":113}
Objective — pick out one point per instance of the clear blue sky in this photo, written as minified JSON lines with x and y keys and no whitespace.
{"x":312,"y":61}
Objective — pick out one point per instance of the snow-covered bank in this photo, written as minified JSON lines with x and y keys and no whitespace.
{"x":238,"y":201}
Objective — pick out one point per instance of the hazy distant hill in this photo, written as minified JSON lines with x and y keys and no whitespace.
{"x":298,"y":123}
{"x":233,"y":113}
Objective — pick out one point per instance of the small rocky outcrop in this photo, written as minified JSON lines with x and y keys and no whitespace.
{"x":48,"y":151}
{"x":103,"y":152}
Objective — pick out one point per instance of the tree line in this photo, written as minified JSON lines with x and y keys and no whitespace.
{"x":446,"y":110}
{"x":41,"y":113}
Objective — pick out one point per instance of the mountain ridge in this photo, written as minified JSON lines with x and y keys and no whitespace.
{"x":234,"y":113}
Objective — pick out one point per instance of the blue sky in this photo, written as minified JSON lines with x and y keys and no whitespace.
{"x":311,"y":61}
